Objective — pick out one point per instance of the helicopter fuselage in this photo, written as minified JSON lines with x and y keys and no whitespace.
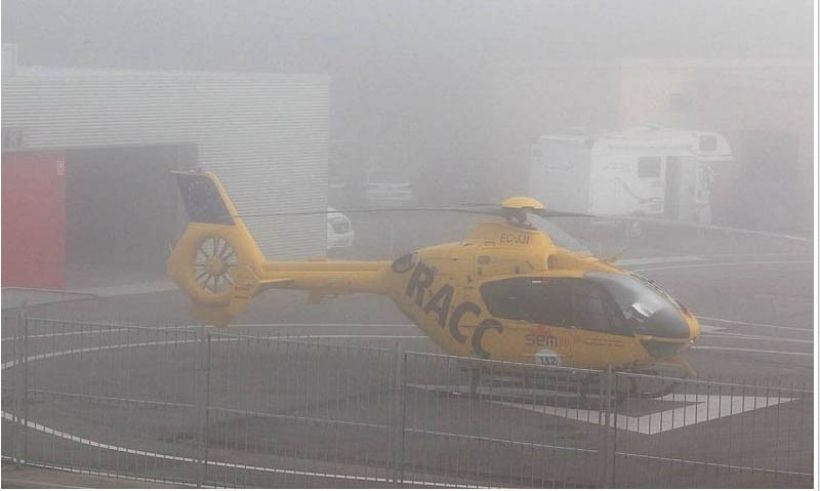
{"x":507,"y":292}
{"x":447,"y":291}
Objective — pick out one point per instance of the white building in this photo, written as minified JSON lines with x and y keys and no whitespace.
{"x":87,"y":155}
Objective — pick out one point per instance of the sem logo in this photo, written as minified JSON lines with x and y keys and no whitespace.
{"x":547,"y":340}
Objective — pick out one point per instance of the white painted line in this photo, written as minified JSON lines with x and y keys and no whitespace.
{"x":312,"y":324}
{"x":801,"y":255}
{"x":753,"y":324}
{"x":341,"y":336}
{"x":750,"y":337}
{"x":110,"y":475}
{"x":749,"y":350}
{"x":658,"y":260}
{"x":704,"y":329}
{"x":736,"y":263}
{"x":53,"y":354}
{"x":785,"y":328}
{"x":24,"y":483}
{"x":58,"y":334}
{"x":171,"y":328}
{"x":85,"y":441}
{"x":131,"y":289}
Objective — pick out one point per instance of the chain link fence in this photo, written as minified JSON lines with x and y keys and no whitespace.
{"x":191,"y":406}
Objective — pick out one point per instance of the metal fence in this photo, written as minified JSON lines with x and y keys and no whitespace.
{"x":197,"y":407}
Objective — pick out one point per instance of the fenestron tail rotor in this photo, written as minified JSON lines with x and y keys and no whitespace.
{"x":215,"y":257}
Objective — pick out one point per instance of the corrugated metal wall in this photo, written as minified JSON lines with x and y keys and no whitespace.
{"x":264,"y":134}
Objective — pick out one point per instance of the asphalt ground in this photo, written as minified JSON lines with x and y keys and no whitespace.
{"x":752,"y":294}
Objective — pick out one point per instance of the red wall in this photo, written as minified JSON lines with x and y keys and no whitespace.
{"x":33,"y":219}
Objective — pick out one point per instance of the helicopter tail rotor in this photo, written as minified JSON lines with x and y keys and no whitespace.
{"x":216,"y":261}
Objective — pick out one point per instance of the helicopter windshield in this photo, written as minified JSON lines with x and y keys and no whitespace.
{"x":559,"y":236}
{"x":646,"y":308}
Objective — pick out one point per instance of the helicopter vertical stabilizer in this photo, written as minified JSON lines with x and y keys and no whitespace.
{"x":216,"y":261}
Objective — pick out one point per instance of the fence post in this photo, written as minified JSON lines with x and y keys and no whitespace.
{"x":18,"y":391}
{"x":397,"y":417}
{"x":203,"y":383}
{"x":25,"y":387}
{"x":608,"y":439}
{"x":22,"y":360}
{"x":402,"y":386}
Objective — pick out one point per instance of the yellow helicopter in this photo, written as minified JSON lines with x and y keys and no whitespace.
{"x":507,"y":292}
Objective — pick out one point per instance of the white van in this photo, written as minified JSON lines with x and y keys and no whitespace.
{"x":654,"y":172}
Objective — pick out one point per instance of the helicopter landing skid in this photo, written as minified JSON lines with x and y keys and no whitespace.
{"x":572,"y":389}
{"x":663,"y":379}
{"x":538,"y":396}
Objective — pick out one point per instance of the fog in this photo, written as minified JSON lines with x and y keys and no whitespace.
{"x":455,"y":93}
{"x":349,"y":297}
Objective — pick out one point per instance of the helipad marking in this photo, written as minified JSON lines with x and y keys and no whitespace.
{"x":751,"y":350}
{"x":710,"y":264}
{"x":145,"y":453}
{"x":741,"y":337}
{"x":703,"y":408}
{"x":704,"y":329}
{"x":658,"y":260}
{"x":752,"y":324}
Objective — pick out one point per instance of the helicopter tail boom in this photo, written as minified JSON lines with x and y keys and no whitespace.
{"x":219,"y":265}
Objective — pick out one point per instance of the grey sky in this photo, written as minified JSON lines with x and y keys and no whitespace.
{"x":330,"y":36}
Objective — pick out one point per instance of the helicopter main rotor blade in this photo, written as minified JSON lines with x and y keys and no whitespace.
{"x":494,"y":211}
{"x":545,"y":213}
{"x":352,"y":211}
{"x":558,"y":213}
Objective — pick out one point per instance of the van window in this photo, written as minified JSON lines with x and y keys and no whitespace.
{"x":649,"y":167}
{"x":707,"y":143}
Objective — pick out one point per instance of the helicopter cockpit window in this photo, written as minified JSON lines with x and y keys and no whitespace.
{"x":537,"y":300}
{"x":560,"y":302}
{"x":594,"y":309}
{"x":646,"y":309}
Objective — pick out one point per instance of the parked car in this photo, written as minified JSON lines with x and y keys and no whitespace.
{"x":387,"y":187}
{"x":339,"y":230}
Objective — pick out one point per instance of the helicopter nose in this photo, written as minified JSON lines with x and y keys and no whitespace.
{"x":668,"y":323}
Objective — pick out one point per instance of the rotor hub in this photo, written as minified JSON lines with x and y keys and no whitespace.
{"x":216,"y":266}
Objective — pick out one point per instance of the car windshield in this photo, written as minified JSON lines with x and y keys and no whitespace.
{"x":385,"y":177}
{"x":559,"y":236}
